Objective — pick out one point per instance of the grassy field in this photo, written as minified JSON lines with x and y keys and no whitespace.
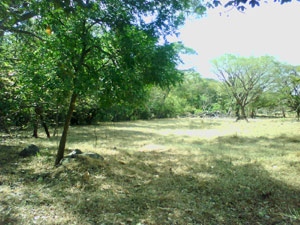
{"x":170,"y":171}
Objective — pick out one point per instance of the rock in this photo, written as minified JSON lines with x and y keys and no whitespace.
{"x":74,"y":153}
{"x":29,"y":151}
{"x":78,"y":153}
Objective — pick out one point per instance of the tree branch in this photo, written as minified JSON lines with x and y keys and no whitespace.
{"x":26,"y":16}
{"x":15,"y":30}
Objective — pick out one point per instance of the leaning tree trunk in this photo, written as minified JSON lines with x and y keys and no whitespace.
{"x":45,"y":126}
{"x":63,"y":139}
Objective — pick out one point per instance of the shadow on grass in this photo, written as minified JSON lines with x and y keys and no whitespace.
{"x":160,"y":187}
{"x":282,"y":139}
{"x":235,"y":139}
{"x":8,"y":154}
{"x":8,"y":164}
{"x":110,"y":135}
{"x":289,"y":139}
{"x":164,"y":188}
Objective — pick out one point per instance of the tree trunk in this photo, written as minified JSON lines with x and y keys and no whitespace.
{"x":39,"y":111}
{"x":241,"y":116}
{"x":252,"y":114}
{"x":237,"y":112}
{"x":243,"y":113}
{"x":283,"y":113}
{"x":45,"y":126}
{"x":63,"y":139}
{"x":35,"y":128}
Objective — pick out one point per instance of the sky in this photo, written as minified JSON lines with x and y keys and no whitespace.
{"x":270,"y":29}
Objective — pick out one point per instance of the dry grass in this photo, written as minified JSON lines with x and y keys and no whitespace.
{"x":173,"y":171}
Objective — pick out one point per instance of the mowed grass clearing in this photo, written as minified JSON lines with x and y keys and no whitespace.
{"x":168,"y":171}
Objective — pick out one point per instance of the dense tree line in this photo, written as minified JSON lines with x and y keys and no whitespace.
{"x":193,"y":96}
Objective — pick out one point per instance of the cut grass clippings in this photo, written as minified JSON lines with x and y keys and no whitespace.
{"x":169,"y":171}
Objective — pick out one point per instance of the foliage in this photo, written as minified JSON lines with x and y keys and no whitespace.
{"x":193,"y":96}
{"x":292,"y":91}
{"x":245,"y":78}
{"x":10,"y":100}
{"x":198,"y":92}
{"x":281,"y":93}
{"x":13,"y":14}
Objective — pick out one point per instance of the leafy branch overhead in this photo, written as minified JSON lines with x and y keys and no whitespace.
{"x":241,"y":5}
{"x":14,"y":14}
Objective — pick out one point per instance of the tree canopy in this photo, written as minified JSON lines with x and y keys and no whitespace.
{"x":244,"y":78}
{"x":14,"y":14}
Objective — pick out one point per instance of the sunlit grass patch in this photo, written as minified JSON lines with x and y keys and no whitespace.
{"x":171,"y":171}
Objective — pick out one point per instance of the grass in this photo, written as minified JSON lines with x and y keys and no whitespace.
{"x":170,"y":171}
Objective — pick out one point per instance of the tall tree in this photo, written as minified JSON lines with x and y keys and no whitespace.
{"x":244,"y":78}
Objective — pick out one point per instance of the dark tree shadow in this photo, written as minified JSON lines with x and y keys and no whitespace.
{"x":149,"y":188}
{"x":236,"y":139}
{"x":8,"y":154}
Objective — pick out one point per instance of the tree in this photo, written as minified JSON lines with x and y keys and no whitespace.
{"x":284,"y":90}
{"x":244,"y":78}
{"x":108,"y":47}
{"x":291,"y":90}
{"x":35,"y":89}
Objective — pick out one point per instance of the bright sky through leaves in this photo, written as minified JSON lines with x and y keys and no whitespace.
{"x":270,"y":29}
